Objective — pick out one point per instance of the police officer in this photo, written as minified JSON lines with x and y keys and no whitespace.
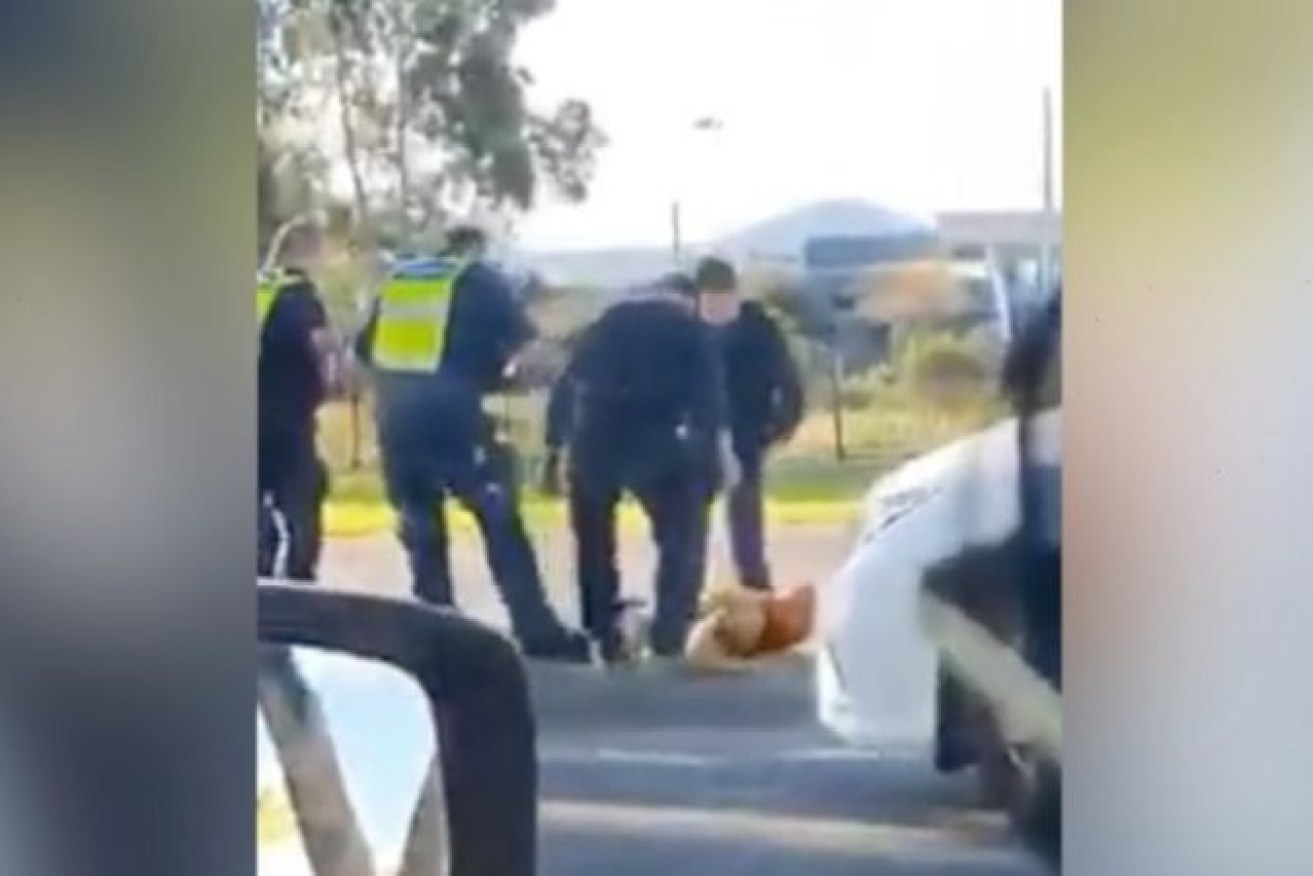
{"x":1032,"y":380}
{"x":765,"y":404}
{"x":640,"y":409}
{"x":297,"y":368}
{"x":440,"y":337}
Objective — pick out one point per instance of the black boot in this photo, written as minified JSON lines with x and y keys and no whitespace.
{"x":613,"y":650}
{"x":561,"y":644}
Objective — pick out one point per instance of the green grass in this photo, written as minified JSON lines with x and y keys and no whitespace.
{"x":885,"y":426}
{"x":799,"y":491}
{"x":788,"y":480}
{"x":348,"y":519}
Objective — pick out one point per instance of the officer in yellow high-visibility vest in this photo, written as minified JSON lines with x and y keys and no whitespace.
{"x":296,"y":370}
{"x":440,"y":336}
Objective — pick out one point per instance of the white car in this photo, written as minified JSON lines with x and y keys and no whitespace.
{"x":876,"y":670}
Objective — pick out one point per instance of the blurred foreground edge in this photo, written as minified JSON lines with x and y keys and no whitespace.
{"x":478,"y":696}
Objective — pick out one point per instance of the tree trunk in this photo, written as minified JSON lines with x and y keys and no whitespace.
{"x":350,"y":141}
{"x":266,"y":196}
{"x":401,"y":52}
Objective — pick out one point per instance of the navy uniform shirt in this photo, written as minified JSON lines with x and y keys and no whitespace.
{"x":643,"y":392}
{"x":764,"y":390}
{"x":486,"y":326}
{"x":290,"y":382}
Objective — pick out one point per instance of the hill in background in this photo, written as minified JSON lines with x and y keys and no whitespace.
{"x":779,"y":240}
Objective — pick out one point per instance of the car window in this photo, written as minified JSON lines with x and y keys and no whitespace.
{"x":351,"y":742}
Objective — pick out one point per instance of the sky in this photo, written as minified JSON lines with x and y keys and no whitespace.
{"x":920,"y":106}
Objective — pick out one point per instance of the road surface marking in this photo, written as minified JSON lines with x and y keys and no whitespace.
{"x":820,"y":836}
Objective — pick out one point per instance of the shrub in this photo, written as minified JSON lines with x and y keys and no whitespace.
{"x":945,"y":369}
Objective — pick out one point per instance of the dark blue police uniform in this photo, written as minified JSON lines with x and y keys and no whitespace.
{"x":641,"y":407}
{"x":435,"y":443}
{"x":291,"y":479}
{"x":765,"y":405}
{"x":1032,"y":375}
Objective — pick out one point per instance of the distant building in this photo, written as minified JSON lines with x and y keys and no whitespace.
{"x":1017,"y":232}
{"x":1005,"y":236}
{"x":837,"y":252}
{"x":824,"y":236}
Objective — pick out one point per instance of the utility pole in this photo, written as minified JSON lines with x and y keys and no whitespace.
{"x":1046,"y":257}
{"x":836,"y":398}
{"x":676,"y":234}
{"x":700,"y":125}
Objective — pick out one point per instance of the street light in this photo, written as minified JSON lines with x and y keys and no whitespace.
{"x":700,"y":125}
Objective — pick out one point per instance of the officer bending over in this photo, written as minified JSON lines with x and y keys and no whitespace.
{"x":440,"y":337}
{"x":640,"y":409}
{"x":297,"y":368}
{"x":765,"y":400}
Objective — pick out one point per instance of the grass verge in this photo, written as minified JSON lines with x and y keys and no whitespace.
{"x":357,"y":519}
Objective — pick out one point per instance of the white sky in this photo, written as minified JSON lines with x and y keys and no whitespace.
{"x":919,"y":105}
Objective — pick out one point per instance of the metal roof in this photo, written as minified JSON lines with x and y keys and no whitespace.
{"x":1002,"y":228}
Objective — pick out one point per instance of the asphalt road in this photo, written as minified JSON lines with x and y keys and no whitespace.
{"x":652,"y":771}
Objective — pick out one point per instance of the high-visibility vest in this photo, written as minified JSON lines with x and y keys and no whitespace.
{"x":411,"y":326}
{"x":266,"y":293}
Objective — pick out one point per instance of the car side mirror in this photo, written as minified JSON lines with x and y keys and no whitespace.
{"x":477,"y":696}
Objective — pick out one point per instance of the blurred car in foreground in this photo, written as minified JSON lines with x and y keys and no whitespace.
{"x":876,"y":673}
{"x":942,"y":631}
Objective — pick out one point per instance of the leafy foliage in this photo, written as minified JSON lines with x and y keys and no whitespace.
{"x":430,"y":113}
{"x":946,"y":369}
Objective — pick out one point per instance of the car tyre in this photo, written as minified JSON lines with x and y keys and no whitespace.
{"x":998,"y":782}
{"x":1036,"y":809}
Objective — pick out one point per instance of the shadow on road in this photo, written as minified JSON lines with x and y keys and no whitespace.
{"x":652,"y":697}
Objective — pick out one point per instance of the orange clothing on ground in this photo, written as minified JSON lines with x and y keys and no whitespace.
{"x":789,"y":617}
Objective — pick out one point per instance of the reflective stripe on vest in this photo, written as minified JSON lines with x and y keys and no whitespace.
{"x":266,"y":293}
{"x":410,"y":333}
{"x":265,"y":296}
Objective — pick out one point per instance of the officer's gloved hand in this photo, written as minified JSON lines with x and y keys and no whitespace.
{"x":550,"y":482}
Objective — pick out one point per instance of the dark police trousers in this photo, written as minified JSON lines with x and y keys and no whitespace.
{"x":292,"y":483}
{"x":747,"y":531}
{"x":418,"y":485}
{"x":677,"y":504}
